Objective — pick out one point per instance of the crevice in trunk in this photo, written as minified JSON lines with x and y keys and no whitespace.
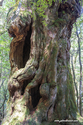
{"x":25,"y":83}
{"x":27,"y":47}
{"x":26,"y":55}
{"x":35,"y":95}
{"x":64,"y":8}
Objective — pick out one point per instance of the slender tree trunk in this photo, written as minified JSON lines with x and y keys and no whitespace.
{"x":40,"y":86}
{"x":74,"y":77}
{"x":80,"y":85}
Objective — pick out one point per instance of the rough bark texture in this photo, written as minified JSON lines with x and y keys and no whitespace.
{"x":40,"y":85}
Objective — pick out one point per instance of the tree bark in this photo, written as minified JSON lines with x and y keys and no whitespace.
{"x":40,"y":85}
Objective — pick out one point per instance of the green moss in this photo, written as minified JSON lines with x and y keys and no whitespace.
{"x":70,"y":97}
{"x":26,"y":112}
{"x":58,"y":22}
{"x":67,"y":94}
{"x":46,"y":56}
{"x":79,"y":118}
{"x":47,"y":123}
{"x":14,"y":122}
{"x":53,"y":83}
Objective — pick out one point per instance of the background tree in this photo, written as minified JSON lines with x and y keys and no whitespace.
{"x":4,"y":72}
{"x":41,"y":87}
{"x":4,"y":58}
{"x":76,"y":49}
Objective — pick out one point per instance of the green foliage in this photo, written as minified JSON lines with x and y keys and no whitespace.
{"x":4,"y":70}
{"x":40,"y":7}
{"x":3,"y":12}
{"x":4,"y":56}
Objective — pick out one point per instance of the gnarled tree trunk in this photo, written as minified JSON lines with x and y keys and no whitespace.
{"x":40,"y":85}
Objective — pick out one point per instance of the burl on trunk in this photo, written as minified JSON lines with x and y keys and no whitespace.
{"x":40,"y":85}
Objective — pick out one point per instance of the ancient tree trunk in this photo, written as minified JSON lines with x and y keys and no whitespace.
{"x":40,"y":85}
